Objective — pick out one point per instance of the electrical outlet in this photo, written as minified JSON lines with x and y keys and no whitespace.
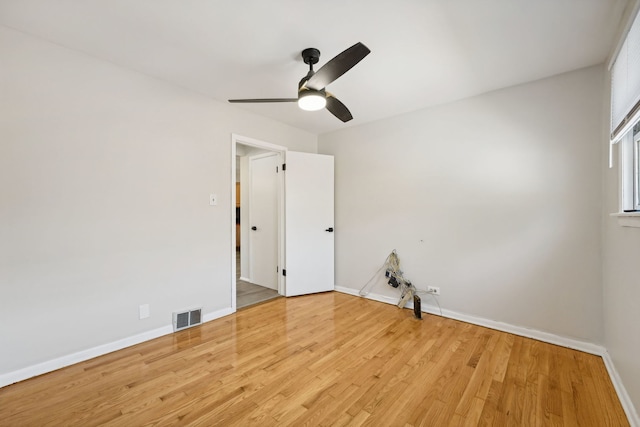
{"x":433,"y":290}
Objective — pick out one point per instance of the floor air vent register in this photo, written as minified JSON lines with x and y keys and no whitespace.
{"x":187,"y":319}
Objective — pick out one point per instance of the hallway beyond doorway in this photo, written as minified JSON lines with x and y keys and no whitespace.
{"x":249,"y":294}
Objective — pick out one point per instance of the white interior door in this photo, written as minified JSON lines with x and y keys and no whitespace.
{"x":263,"y":220}
{"x":309,"y":233}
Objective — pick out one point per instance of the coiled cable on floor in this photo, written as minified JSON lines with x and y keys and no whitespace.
{"x":391,"y":266}
{"x":391,"y":262}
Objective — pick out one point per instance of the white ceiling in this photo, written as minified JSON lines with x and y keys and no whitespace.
{"x":423,"y":52}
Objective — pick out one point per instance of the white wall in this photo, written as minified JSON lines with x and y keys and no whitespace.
{"x":621,"y":265}
{"x":495,"y":199}
{"x":105,"y":176}
{"x":621,"y":291}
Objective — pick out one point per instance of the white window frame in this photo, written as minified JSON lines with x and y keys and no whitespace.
{"x":629,"y":209}
{"x":630,"y":198}
{"x":636,"y":171}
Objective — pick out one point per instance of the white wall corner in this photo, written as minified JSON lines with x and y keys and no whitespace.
{"x":83,"y":355}
{"x":625,"y":399}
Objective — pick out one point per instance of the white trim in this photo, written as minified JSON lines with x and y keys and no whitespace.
{"x":627,"y":219}
{"x":625,"y":399}
{"x":245,"y":140}
{"x":217,"y":314}
{"x":233,"y":223}
{"x":626,"y":214}
{"x":611,"y":144}
{"x":281,"y":151}
{"x":547,"y":337}
{"x":90,"y":353}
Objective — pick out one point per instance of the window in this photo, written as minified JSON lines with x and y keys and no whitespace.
{"x":625,"y":121}
{"x":630,"y":172}
{"x":636,"y":180}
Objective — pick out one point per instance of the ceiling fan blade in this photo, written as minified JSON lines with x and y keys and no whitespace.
{"x":247,"y":101}
{"x":338,"y":109}
{"x":339,"y":65}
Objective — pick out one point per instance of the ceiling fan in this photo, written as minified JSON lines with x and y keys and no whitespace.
{"x":312,"y":94}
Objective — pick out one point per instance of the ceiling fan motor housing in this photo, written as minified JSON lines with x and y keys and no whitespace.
{"x":311,"y":55}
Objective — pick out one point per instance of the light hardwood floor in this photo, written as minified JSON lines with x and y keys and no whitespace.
{"x":325,"y":359}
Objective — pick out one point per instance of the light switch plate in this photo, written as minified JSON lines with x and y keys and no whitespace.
{"x":144,"y":311}
{"x":213,"y":199}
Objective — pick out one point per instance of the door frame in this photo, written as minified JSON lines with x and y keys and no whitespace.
{"x":281,"y":152}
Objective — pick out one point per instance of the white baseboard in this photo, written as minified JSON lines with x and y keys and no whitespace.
{"x":81,"y":356}
{"x":244,"y":279}
{"x":547,"y":337}
{"x":208,"y":317}
{"x":585,"y":346}
{"x":625,"y":400}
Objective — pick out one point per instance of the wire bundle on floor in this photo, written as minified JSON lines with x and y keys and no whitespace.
{"x":391,"y":267}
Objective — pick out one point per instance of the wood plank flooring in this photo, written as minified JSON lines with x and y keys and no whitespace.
{"x":324,"y":360}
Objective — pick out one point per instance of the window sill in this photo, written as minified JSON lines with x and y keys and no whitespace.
{"x":627,"y":219}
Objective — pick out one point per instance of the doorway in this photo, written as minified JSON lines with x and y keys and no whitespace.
{"x":257,"y":217}
{"x":305,"y":229}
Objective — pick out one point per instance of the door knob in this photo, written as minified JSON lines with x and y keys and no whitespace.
{"x":330,"y":229}
{"x":254,"y":228}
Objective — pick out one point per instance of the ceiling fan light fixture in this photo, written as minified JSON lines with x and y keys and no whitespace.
{"x":312,"y":93}
{"x":312,"y":100}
